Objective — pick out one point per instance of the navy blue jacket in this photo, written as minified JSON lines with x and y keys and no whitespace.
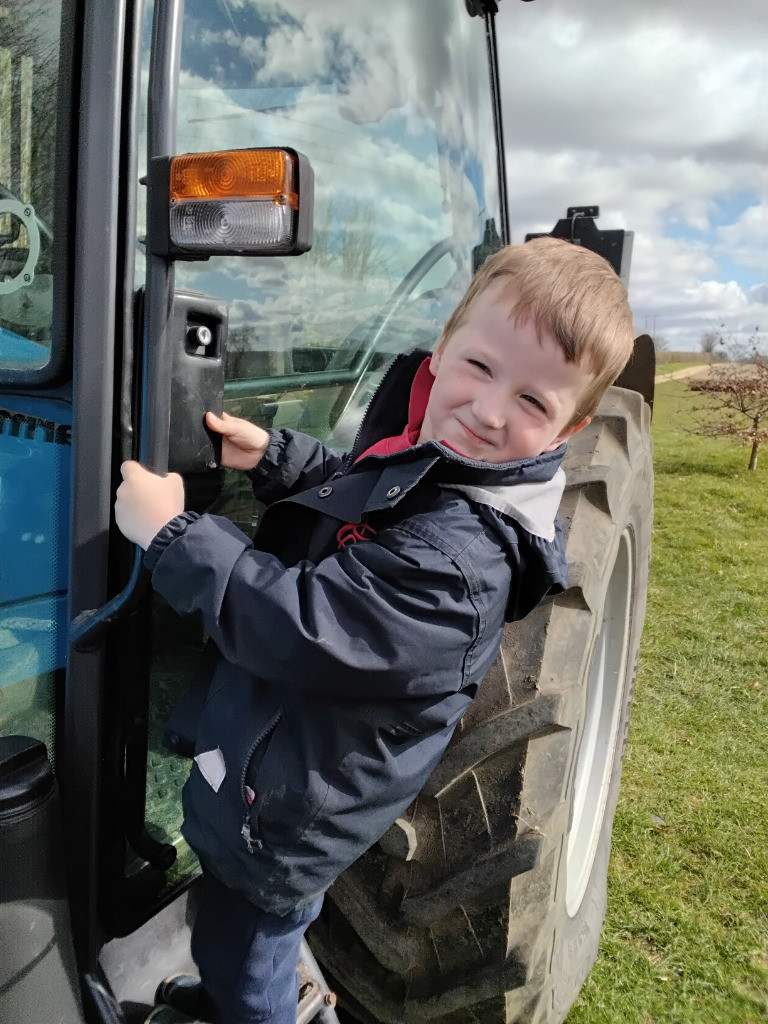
{"x":335,"y":678}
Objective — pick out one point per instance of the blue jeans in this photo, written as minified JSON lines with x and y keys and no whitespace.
{"x":247,"y":958}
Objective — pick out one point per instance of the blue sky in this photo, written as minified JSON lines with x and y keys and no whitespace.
{"x":726,"y":211}
{"x":658,"y":113}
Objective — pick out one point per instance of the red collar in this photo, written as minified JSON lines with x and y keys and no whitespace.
{"x":417,"y":406}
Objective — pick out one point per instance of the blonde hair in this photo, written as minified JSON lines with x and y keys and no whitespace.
{"x":572,"y":294}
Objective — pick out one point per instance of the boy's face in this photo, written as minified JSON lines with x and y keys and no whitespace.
{"x":499,"y":392}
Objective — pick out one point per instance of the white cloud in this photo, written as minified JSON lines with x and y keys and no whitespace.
{"x":617,"y":80}
{"x":655,"y":112}
{"x":758,"y":294}
{"x":747,"y":237}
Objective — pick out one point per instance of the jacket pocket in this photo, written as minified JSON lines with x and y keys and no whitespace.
{"x":291,"y":786}
{"x":249,"y":780}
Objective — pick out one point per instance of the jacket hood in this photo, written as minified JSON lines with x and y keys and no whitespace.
{"x":524,"y":519}
{"x":532,"y":504}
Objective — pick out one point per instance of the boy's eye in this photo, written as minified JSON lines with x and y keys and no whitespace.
{"x":534,"y":401}
{"x":478,"y":365}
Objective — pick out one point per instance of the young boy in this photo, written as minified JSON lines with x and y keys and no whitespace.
{"x":348,"y":639}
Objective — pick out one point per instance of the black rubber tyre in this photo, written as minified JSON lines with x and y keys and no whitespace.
{"x":485,"y":904}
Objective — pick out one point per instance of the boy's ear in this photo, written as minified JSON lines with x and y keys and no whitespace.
{"x":569,"y":432}
{"x":437,"y":355}
{"x":578,"y":426}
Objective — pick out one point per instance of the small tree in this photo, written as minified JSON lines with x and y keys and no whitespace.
{"x":710,"y":341}
{"x":735,"y":404}
{"x":660,"y":343}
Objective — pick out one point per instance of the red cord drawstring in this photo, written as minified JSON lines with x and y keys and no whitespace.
{"x":351,"y":533}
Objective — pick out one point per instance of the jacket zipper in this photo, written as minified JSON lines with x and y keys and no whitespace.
{"x":349,"y":461}
{"x":250,"y":841}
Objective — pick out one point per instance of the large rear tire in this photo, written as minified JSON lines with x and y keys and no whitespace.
{"x":485,"y":903}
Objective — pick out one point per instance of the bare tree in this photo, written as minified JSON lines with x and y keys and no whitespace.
{"x":710,"y":342}
{"x":345,"y":239}
{"x":735,"y":404}
{"x":29,"y":72}
{"x":660,"y":343}
{"x":732,"y":346}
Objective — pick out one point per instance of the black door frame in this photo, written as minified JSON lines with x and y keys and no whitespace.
{"x":101,"y":165}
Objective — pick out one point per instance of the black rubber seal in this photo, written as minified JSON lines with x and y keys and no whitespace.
{"x":26,"y":776}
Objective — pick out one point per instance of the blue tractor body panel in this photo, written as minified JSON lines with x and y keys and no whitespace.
{"x":34,"y":524}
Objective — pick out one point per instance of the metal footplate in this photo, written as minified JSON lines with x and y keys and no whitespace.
{"x":316,"y":1001}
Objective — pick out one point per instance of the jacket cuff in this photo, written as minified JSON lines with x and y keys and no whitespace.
{"x":269,"y":465}
{"x":163,"y":537}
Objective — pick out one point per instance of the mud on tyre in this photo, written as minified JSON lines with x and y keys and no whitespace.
{"x":485,"y":903}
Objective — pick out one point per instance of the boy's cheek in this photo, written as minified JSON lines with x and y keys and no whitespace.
{"x":427,"y":430}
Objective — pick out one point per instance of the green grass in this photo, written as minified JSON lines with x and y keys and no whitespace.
{"x":663,"y":366}
{"x":685,"y":937}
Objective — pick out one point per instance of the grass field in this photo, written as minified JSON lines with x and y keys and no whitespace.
{"x":686,"y":935}
{"x":662,"y":366}
{"x":668,"y":362}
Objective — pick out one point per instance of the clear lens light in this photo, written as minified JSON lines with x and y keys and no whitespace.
{"x":238,"y":226}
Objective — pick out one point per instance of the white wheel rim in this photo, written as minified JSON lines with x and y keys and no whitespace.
{"x":600,"y":734}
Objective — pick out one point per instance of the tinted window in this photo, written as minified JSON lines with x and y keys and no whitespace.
{"x":29,"y":50}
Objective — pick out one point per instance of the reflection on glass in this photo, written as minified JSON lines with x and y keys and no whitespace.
{"x":34,"y":434}
{"x":386,"y":109}
{"x":33,"y":564}
{"x":28,"y":71}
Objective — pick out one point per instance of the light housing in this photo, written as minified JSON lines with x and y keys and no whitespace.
{"x":236,"y":202}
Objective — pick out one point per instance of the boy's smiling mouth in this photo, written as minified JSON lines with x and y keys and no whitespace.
{"x":473,"y":436}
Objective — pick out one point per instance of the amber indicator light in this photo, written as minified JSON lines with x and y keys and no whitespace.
{"x":234,"y":174}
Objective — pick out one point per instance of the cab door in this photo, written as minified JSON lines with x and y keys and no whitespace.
{"x":64,"y":161}
{"x":407,"y":202}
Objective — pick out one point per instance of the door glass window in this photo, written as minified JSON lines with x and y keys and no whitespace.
{"x":29,"y":55}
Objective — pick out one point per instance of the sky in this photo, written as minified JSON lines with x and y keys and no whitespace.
{"x":657,"y":112}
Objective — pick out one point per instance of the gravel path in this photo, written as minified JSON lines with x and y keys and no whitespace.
{"x":687,"y":371}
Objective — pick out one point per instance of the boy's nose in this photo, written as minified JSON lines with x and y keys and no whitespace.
{"x":490,"y":411}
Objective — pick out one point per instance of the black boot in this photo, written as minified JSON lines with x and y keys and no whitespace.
{"x":184,"y":992}
{"x":168,"y":1015}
